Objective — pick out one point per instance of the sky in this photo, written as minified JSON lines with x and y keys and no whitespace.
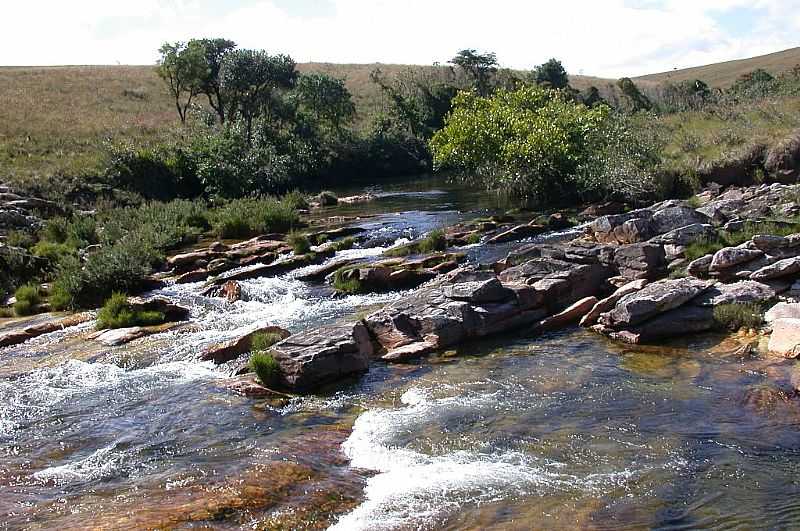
{"x":607,"y":38}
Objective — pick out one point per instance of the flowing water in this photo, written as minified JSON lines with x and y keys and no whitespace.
{"x":564,"y":431}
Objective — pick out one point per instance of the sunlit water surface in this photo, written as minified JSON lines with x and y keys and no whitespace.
{"x":562,"y":431}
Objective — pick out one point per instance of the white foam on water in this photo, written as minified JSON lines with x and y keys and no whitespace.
{"x":39,"y":392}
{"x":414,"y":489}
{"x":101,"y":464}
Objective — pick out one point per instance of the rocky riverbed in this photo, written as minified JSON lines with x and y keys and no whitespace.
{"x":478,"y":372}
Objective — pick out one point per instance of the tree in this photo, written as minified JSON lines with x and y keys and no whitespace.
{"x":182,"y":66}
{"x":636,"y":100}
{"x":249,"y":79}
{"x":325,"y":99}
{"x":420,"y":100}
{"x":552,"y":74}
{"x":480,"y":66}
{"x":214,"y":51}
{"x":591,"y":97}
{"x":529,"y":142}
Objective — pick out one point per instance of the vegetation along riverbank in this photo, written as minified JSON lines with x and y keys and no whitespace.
{"x":155,"y":225}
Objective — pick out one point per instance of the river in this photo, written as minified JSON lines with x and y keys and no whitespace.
{"x":566,"y":430}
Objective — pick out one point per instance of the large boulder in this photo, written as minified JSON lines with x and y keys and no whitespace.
{"x":572,"y":314}
{"x":685,"y":235}
{"x":675,"y":217}
{"x":733,"y":256}
{"x":609,"y":302}
{"x":478,"y":292}
{"x":785,"y":338}
{"x":783,"y":160}
{"x":781,"y":268}
{"x":742,"y":292}
{"x":676,"y":322}
{"x":641,"y":261}
{"x":315,"y":357}
{"x":656,"y":298}
{"x":783,"y":310}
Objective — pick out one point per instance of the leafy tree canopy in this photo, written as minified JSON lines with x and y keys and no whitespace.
{"x":552,"y":74}
{"x":480,"y":66}
{"x":528,"y":142}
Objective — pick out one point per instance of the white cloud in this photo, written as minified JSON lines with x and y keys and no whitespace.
{"x":608,"y":38}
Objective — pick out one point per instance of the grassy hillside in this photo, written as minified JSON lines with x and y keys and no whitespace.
{"x":723,"y":75}
{"x":54,"y":120}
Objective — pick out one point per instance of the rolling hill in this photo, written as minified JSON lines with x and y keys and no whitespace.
{"x":723,"y":75}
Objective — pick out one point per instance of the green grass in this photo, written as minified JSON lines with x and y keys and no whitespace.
{"x":296,"y":200}
{"x":242,"y":218}
{"x":702,"y":247}
{"x":705,"y":246}
{"x":263,"y":340}
{"x":28,"y":299}
{"x":266,"y":368}
{"x":736,"y":316}
{"x":117,"y":313}
{"x":434,"y":241}
{"x":299,"y":242}
{"x":344,"y":244}
{"x":344,"y":283}
{"x":474,"y":238}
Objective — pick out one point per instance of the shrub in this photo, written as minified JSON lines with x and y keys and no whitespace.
{"x":261,"y":341}
{"x":434,"y":241}
{"x":20,"y":238}
{"x":241,"y":218}
{"x":55,"y":230}
{"x":121,"y":267}
{"x":528,"y":142}
{"x":53,"y":252}
{"x":327,"y":198}
{"x":117,"y":313}
{"x":266,"y":368}
{"x":299,"y":242}
{"x":28,"y":298}
{"x":736,"y":316}
{"x":296,"y":200}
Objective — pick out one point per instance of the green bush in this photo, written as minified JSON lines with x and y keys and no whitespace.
{"x":55,"y":230}
{"x":296,"y":200}
{"x":528,"y":142}
{"x":53,"y":252}
{"x":241,"y":218}
{"x":117,"y":313}
{"x":736,"y":316}
{"x":299,"y":242}
{"x":122,"y":267}
{"x":28,"y":298}
{"x":434,"y":241}
{"x":20,"y":238}
{"x":261,"y":341}
{"x":266,"y":368}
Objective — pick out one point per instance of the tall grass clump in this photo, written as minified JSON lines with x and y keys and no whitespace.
{"x":735,"y":316}
{"x":28,"y":299}
{"x":299,"y":242}
{"x":266,"y":368}
{"x":327,"y":198}
{"x":261,"y":341}
{"x":242,"y":218}
{"x":118,"y":313}
{"x":296,"y":200}
{"x":434,"y":241}
{"x":345,"y":282}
